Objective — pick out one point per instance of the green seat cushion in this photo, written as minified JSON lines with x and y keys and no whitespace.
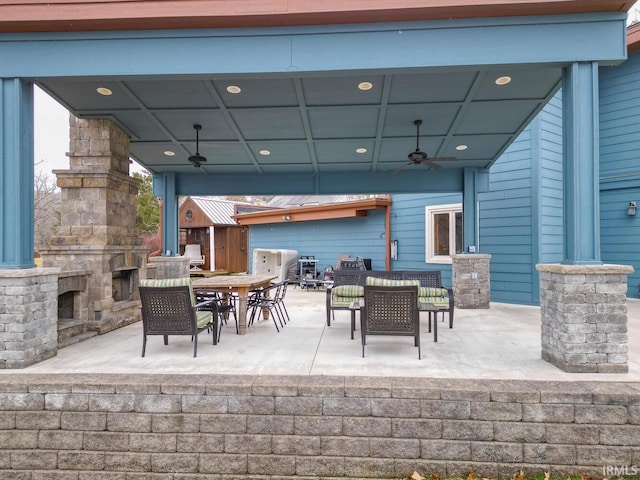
{"x":344,"y":302}
{"x":388,"y":282}
{"x":432,"y":292}
{"x":347,"y":291}
{"x":203,"y":318}
{"x":170,"y":282}
{"x":439,"y":302}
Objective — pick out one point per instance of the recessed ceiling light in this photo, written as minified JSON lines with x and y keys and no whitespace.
{"x":361,"y":150}
{"x":104,"y":91}
{"x":234,"y":89}
{"x":365,"y":85}
{"x":461,"y":147}
{"x":265,"y":152}
{"x":169,"y":153}
{"x":503,"y":80}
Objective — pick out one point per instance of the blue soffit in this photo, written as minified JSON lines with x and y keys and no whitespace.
{"x":317,"y":109}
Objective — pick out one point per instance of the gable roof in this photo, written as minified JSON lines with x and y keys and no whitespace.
{"x":219,"y":211}
{"x":292,"y":201}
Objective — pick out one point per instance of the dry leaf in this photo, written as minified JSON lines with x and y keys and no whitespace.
{"x":518,"y":477}
{"x":472,"y":474}
{"x":547,"y":475}
{"x":417,"y":476}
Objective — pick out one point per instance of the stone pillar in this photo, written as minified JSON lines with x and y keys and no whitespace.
{"x":471,"y":280}
{"x":584,"y":317}
{"x":28,"y":316}
{"x":170,"y":267}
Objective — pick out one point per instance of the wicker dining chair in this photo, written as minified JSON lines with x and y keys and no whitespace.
{"x":225,"y":303}
{"x":170,"y":311}
{"x":390,"y":311}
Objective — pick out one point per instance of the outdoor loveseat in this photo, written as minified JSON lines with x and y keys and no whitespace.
{"x":348,"y":287}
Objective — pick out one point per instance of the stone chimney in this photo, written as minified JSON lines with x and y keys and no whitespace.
{"x":97,"y":231}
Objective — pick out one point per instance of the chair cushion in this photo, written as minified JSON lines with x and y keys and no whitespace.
{"x":170,"y":282}
{"x":387,"y":282}
{"x":345,"y":302}
{"x":203,"y":318}
{"x":439,"y":302}
{"x":432,"y":292}
{"x":348,"y":291}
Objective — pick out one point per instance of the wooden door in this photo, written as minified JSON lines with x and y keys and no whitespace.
{"x":220,"y":247}
{"x":237,"y":251}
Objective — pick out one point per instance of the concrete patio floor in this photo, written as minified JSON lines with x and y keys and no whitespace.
{"x":502,"y":342}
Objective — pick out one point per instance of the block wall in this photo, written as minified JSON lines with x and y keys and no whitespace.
{"x":183,"y":427}
{"x":28,"y":316}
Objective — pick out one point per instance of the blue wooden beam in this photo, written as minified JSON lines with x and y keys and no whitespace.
{"x":16,"y":174}
{"x":580,"y":164}
{"x":414,"y":180}
{"x":549,"y":39}
{"x":470,"y":220}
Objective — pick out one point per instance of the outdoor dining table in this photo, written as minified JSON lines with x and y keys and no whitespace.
{"x":240,"y":284}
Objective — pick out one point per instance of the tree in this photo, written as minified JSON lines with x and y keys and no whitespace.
{"x":148,"y":214}
{"x":46,"y":213}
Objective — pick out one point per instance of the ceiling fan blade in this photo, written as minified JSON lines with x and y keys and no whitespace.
{"x":431,"y":164}
{"x":443,"y":159}
{"x":401,"y":168}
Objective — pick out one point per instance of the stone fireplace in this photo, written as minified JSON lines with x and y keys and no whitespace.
{"x":98,"y":230}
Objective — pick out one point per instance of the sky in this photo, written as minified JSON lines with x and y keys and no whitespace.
{"x":51,"y":135}
{"x":52,"y":126}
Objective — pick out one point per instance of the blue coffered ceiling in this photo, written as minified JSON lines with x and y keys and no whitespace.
{"x":299,"y":97}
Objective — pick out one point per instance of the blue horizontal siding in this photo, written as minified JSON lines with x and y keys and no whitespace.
{"x":408,"y":227}
{"x":619,"y":139}
{"x":327,"y":239}
{"x":506,"y":223}
{"x":550,"y":230}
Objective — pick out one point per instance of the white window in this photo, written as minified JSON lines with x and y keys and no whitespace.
{"x":443,"y":231}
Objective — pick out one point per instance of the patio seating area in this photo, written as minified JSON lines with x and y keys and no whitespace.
{"x":502,"y":342}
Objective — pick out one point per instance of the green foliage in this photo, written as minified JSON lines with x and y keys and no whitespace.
{"x":148,"y":214}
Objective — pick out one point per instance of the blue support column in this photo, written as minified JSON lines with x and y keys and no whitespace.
{"x":581,"y":164}
{"x":165,"y":186}
{"x":470,"y":221}
{"x":16,"y":174}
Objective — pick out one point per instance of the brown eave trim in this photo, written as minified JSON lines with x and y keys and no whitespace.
{"x":633,"y":38}
{"x":85,"y":15}
{"x":316,"y":212}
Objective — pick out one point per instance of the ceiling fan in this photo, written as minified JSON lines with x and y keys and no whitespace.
{"x":418,"y":157}
{"x":197,"y":159}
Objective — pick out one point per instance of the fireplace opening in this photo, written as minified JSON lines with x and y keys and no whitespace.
{"x":122,"y":283}
{"x":65,"y":306}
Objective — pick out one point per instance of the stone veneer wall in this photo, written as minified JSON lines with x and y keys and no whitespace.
{"x":170,"y":267}
{"x":179,"y":427}
{"x":584,"y":317}
{"x":471,"y":280}
{"x":28,"y":316}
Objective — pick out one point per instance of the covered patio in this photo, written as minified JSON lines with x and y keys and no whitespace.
{"x":502,"y":342}
{"x":305,"y":97}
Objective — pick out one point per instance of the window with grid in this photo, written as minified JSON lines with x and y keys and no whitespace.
{"x":443,"y":232}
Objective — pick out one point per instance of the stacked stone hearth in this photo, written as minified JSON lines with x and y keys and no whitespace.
{"x":98,"y":232}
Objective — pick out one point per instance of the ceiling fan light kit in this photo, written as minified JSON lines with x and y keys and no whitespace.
{"x":197,"y":159}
